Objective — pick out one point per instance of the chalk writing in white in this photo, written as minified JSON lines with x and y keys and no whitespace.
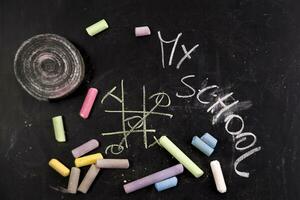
{"x":220,"y":106}
{"x":187,"y":54}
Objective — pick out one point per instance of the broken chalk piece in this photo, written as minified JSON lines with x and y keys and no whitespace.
{"x":88,"y":160}
{"x":153,"y":178}
{"x":218,"y":176}
{"x":113,"y":163}
{"x":202,"y":146}
{"x":166,"y":184}
{"x":142,"y":31}
{"x":59,"y":167}
{"x":97,"y":27}
{"x":209,"y":140}
{"x":85,"y":148}
{"x":73,"y":180}
{"x":88,"y":179}
{"x":59,"y":130}
{"x":180,"y":156}
{"x":88,"y":103}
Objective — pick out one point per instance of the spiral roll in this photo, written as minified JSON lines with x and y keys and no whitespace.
{"x":48,"y":66}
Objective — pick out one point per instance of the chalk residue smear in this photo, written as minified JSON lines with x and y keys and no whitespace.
{"x":59,"y":189}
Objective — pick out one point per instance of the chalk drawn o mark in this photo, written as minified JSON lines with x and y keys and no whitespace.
{"x":111,"y":147}
{"x":48,"y":66}
{"x":160,"y":96}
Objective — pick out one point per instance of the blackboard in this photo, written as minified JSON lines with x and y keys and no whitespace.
{"x":248,"y":47}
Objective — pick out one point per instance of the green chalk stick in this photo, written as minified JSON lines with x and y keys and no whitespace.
{"x":180,"y":156}
{"x":59,"y":130}
{"x":97,"y":27}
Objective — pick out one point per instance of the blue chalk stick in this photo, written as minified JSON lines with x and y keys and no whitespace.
{"x":209,"y":140}
{"x":202,"y":146}
{"x":166,"y":184}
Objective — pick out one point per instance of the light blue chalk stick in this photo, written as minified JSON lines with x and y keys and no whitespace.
{"x":202,"y":146}
{"x":166,"y":184}
{"x":209,"y":140}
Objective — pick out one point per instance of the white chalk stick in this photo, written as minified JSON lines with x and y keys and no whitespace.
{"x":73,"y":180}
{"x":88,"y":179}
{"x":218,"y":176}
{"x":113,"y":163}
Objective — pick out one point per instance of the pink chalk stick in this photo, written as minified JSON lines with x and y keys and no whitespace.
{"x":153,"y":178}
{"x":142,"y":31}
{"x":85,"y":148}
{"x":88,"y":103}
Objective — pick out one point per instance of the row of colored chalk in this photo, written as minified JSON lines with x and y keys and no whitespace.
{"x":102,"y":25}
{"x":205,"y":144}
{"x":95,"y":161}
{"x":167,"y":178}
{"x":80,"y":162}
{"x":90,"y":175}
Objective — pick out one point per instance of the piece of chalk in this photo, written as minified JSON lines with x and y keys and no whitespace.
{"x":166,"y":184}
{"x":88,"y":103}
{"x":202,"y":146}
{"x":88,"y":179}
{"x":153,"y":178}
{"x":209,"y":140}
{"x":218,"y":176}
{"x":180,"y":156}
{"x":73,"y":180}
{"x":59,"y":167}
{"x":85,"y":148}
{"x":142,"y":31}
{"x":59,"y":130}
{"x":113,"y":163}
{"x":88,"y":160}
{"x":97,"y":27}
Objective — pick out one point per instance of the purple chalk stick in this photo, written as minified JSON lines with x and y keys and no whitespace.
{"x":85,"y":148}
{"x":153,"y":178}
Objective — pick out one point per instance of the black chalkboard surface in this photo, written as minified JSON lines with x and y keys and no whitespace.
{"x":248,"y":48}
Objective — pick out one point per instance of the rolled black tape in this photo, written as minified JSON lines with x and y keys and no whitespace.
{"x":48,"y":66}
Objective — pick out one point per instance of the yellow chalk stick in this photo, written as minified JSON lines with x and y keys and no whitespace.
{"x":88,"y":160}
{"x":180,"y":156}
{"x":59,"y":167}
